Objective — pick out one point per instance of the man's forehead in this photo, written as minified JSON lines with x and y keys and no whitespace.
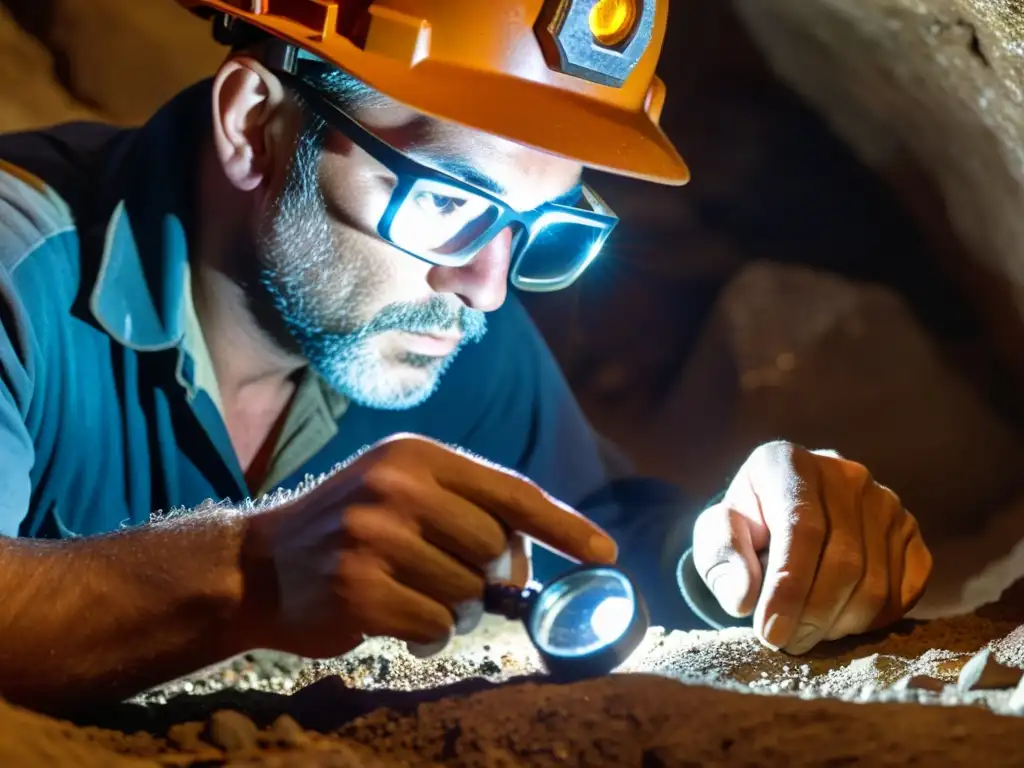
{"x":523,"y":176}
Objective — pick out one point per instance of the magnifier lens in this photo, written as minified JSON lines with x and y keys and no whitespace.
{"x":583,"y":613}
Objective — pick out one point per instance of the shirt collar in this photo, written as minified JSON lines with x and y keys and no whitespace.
{"x":142,"y":293}
{"x":138,"y":294}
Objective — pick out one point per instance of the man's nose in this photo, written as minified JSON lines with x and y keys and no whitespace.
{"x":483,"y":283}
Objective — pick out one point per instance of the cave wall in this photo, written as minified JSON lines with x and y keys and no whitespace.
{"x":929,"y":93}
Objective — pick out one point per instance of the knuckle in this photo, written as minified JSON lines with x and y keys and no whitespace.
{"x":858,"y":474}
{"x":875,"y":596}
{"x":525,"y":492}
{"x":400,"y":448}
{"x":386,"y":478}
{"x":786,"y":592}
{"x":361,"y":525}
{"x":846,"y":566}
{"x":891,"y":496}
{"x":403,"y":441}
{"x":808,"y":525}
{"x":490,"y":548}
{"x":773,"y":453}
{"x":911,"y":527}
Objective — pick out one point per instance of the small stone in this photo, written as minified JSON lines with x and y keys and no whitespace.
{"x":286,"y":732}
{"x":983,"y":672}
{"x":232,"y":731}
{"x":187,"y":736}
{"x":919,"y":683}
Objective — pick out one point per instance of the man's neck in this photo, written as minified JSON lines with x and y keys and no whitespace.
{"x":255,"y":377}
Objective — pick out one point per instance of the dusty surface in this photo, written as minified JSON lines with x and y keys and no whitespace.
{"x":686,"y":699}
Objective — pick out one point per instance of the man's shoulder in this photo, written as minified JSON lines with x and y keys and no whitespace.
{"x":32,"y":215}
{"x":48,"y":182}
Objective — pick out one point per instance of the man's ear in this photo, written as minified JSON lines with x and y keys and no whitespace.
{"x":247,"y":98}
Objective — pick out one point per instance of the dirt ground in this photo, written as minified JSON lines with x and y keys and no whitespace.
{"x":683,"y":699}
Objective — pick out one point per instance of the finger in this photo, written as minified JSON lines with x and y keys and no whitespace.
{"x":458,"y":526}
{"x":842,"y":560}
{"x":726,"y":559}
{"x":426,"y":650}
{"x":409,"y":559}
{"x":468,"y":615}
{"x":903,"y":532}
{"x":788,"y":489}
{"x":513,"y":567}
{"x":386,"y":608}
{"x":917,"y":570}
{"x":871,"y":594}
{"x":524,"y":507}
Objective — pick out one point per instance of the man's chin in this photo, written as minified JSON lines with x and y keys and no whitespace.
{"x":385,"y":376}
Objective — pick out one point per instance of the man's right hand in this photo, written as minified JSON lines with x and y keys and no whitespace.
{"x":400,"y":543}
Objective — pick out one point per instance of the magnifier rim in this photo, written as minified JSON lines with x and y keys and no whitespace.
{"x":558,"y":587}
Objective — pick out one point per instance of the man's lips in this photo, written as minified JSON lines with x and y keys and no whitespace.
{"x":431,"y":344}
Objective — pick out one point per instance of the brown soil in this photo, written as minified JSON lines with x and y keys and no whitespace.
{"x":484,"y":703}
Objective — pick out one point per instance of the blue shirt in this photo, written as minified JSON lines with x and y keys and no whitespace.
{"x":101,"y":423}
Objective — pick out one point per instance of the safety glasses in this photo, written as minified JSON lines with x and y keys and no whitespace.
{"x":445,"y":221}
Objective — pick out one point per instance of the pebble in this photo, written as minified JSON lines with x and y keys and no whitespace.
{"x":286,"y":732}
{"x":232,"y":731}
{"x":188,"y":736}
{"x":983,"y":672}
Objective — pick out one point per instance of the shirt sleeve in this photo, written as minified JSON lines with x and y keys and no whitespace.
{"x":16,"y":385}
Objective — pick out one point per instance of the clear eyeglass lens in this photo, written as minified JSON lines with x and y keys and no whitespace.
{"x":583,"y":612}
{"x":561,"y":246}
{"x":439,"y":220}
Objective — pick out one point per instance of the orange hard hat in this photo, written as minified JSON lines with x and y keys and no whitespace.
{"x":571,"y":77}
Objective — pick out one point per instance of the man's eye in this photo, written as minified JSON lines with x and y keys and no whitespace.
{"x":439,"y":204}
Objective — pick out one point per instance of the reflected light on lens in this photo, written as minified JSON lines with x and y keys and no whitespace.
{"x":611,"y":618}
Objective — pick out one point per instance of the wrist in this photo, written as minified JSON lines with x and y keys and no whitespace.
{"x":255,"y":620}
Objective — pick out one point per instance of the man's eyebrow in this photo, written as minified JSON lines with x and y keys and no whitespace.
{"x":470,"y":174}
{"x":465,"y":171}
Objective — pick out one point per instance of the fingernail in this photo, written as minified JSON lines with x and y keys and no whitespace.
{"x":602,"y":549}
{"x":730,"y":589}
{"x":468,"y":615}
{"x":777,"y":630}
{"x":803,"y":639}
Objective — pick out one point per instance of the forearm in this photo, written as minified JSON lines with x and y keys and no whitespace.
{"x":105,"y":617}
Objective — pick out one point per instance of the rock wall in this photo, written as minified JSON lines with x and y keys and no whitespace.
{"x":117,"y":60}
{"x":930,"y":94}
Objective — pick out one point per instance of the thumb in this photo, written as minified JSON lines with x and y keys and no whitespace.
{"x":726,"y":559}
{"x":518,"y":568}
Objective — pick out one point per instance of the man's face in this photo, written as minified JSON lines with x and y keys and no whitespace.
{"x":379,"y":325}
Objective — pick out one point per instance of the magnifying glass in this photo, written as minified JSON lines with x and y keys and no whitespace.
{"x":584,"y":623}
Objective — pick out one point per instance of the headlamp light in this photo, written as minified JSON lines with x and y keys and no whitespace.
{"x":583,"y":623}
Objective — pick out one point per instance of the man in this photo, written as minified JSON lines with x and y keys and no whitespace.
{"x":304,"y":262}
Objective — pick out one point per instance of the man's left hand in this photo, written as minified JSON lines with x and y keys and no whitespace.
{"x":843,"y":555}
